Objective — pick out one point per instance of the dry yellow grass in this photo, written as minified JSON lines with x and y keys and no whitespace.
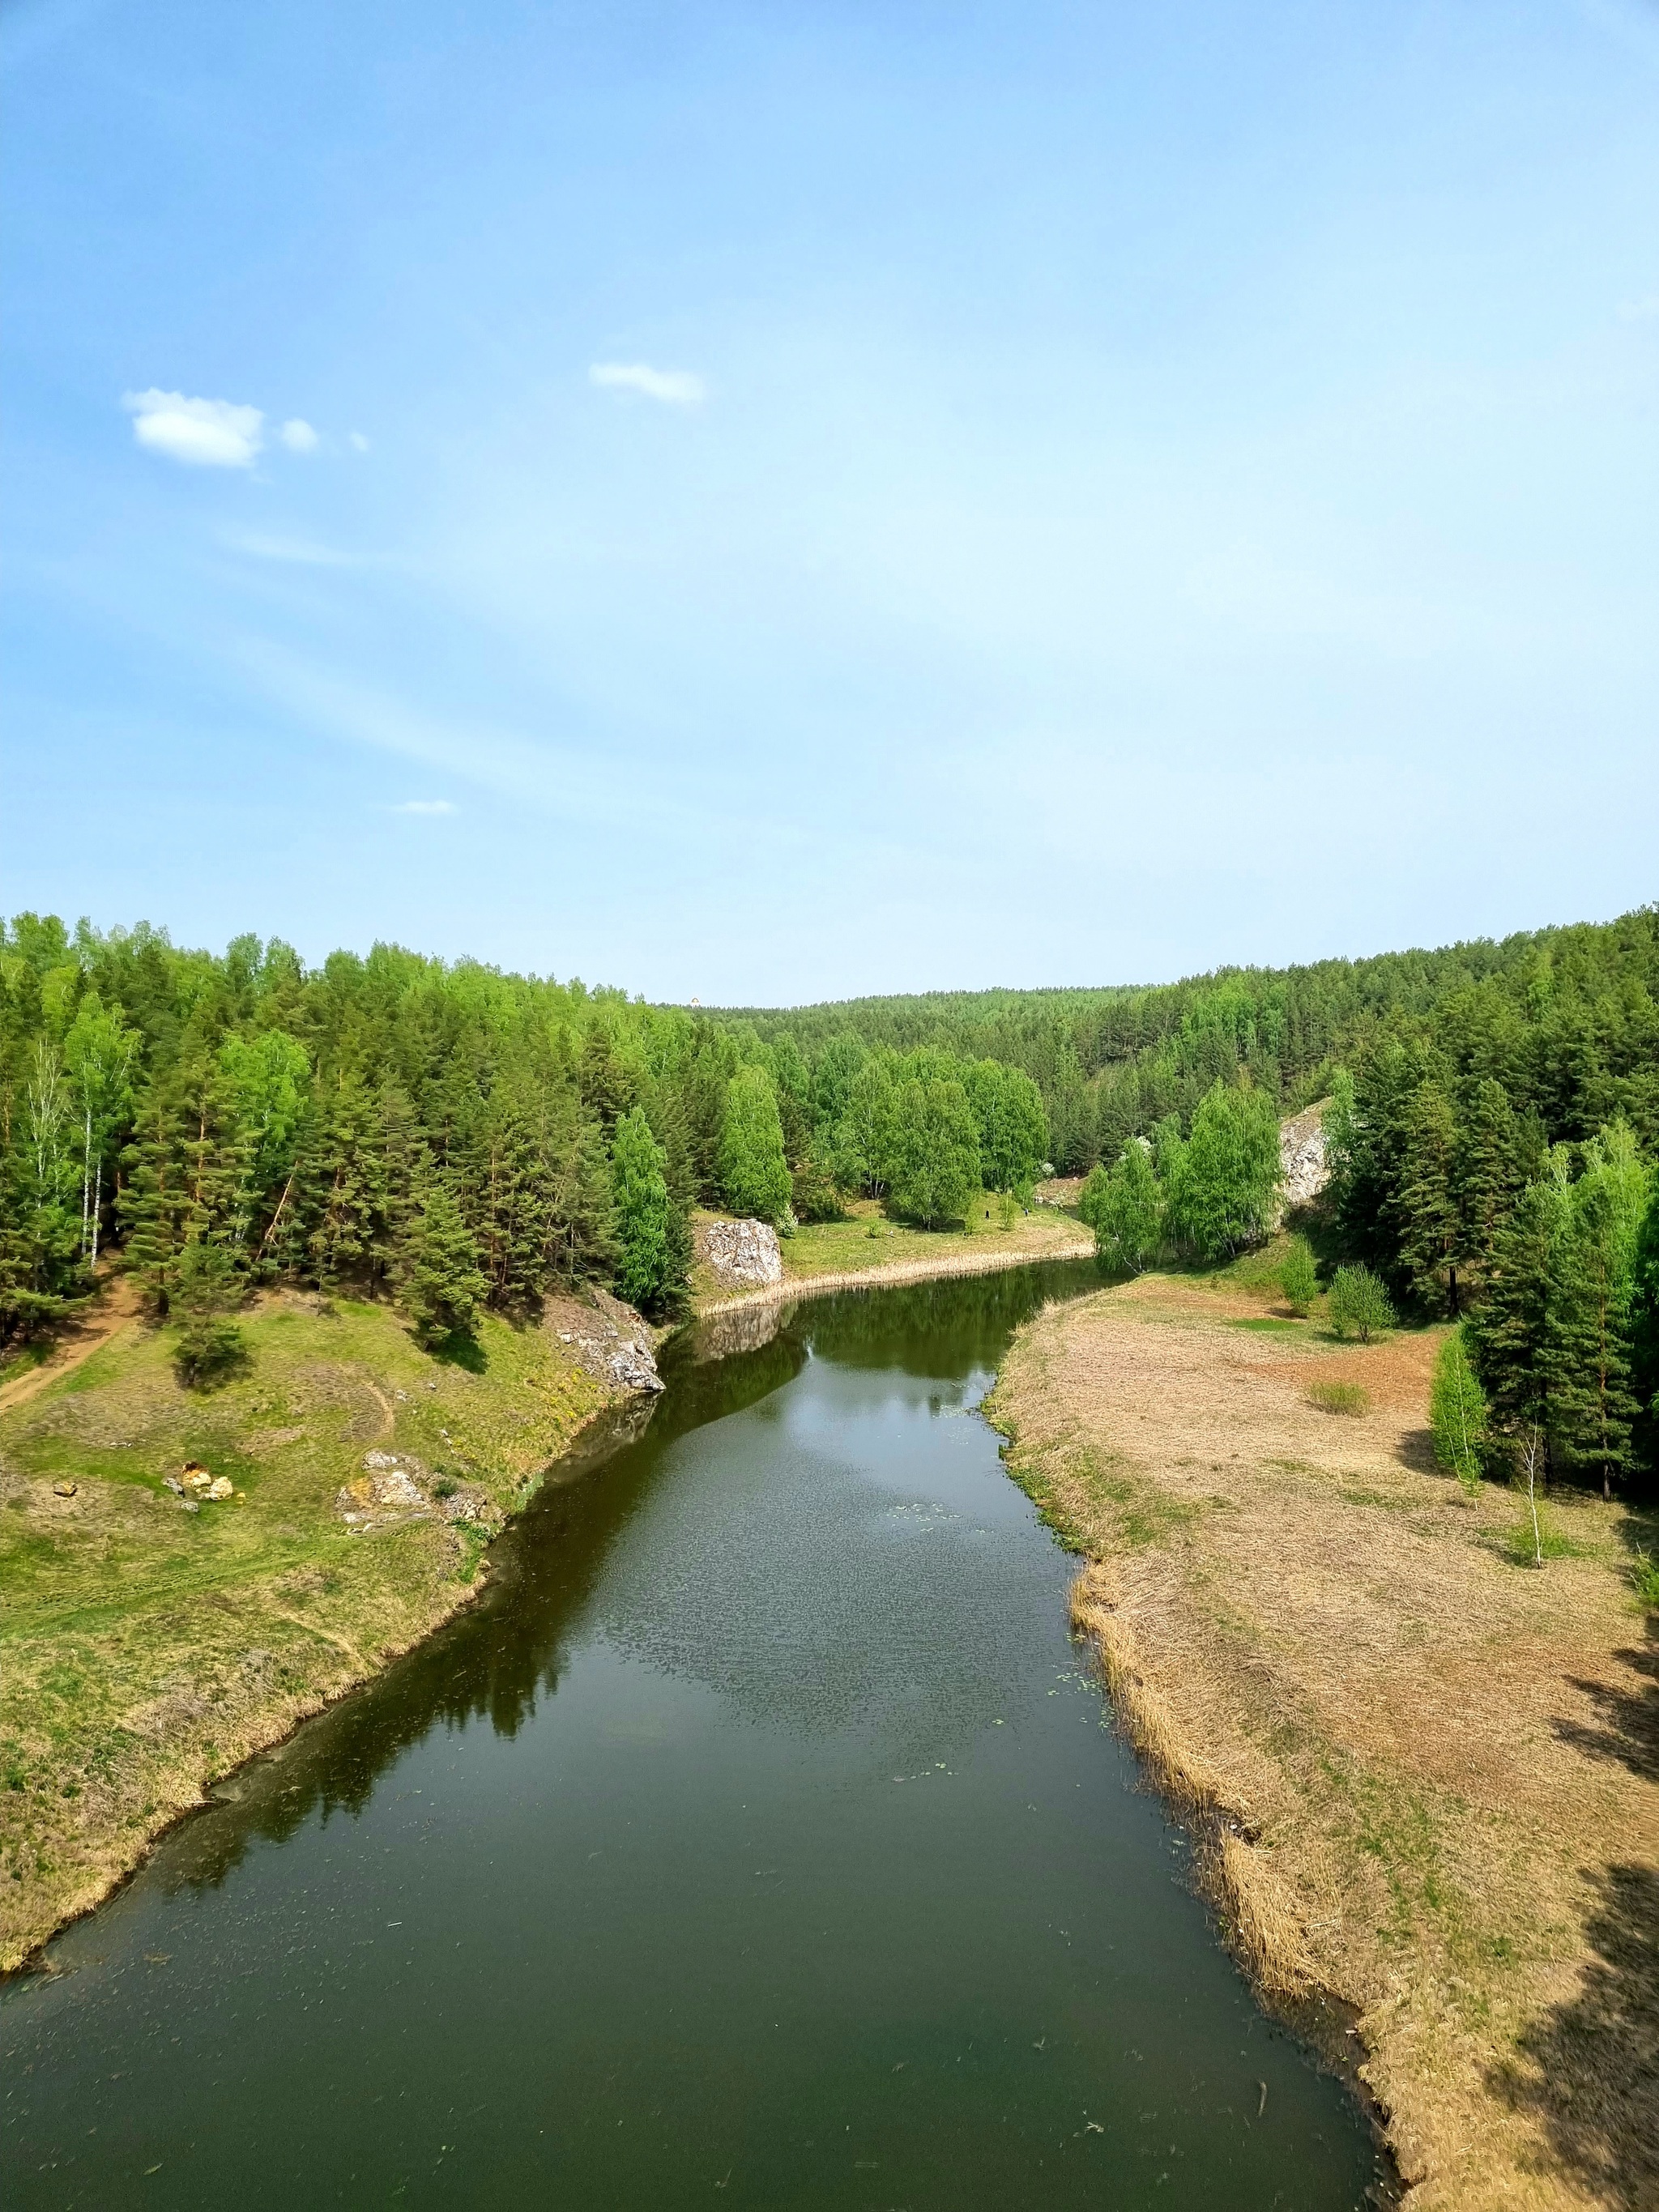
{"x":1424,"y":1779}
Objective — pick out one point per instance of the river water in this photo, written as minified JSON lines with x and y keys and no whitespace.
{"x":758,"y":1840}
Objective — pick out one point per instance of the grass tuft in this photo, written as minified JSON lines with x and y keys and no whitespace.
{"x":1340,"y":1397}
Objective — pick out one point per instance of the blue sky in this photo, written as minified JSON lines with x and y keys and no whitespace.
{"x":766,"y":503}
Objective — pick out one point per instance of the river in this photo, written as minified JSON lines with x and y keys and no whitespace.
{"x":758,"y":1840}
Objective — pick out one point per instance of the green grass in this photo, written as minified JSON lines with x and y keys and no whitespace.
{"x":1269,"y":1322}
{"x":1340,"y":1397}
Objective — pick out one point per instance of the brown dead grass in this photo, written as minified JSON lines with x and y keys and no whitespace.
{"x":1424,"y":1780}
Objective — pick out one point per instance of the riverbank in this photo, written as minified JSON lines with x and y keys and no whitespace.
{"x":1424,"y":1775}
{"x":866,"y":1250}
{"x":151,"y":1641}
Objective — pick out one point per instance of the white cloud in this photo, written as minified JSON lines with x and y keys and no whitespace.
{"x":359,"y":443}
{"x":298,"y":437}
{"x":206,"y":434}
{"x":672,"y":387}
{"x":425,"y":806}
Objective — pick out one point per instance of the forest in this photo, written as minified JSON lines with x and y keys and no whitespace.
{"x":449,"y":1135}
{"x":455,"y":1137}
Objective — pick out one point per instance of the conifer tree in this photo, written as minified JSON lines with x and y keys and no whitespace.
{"x":1433,"y":1228}
{"x":444,"y":1287}
{"x":1585,"y":1357}
{"x":1488,"y":1175}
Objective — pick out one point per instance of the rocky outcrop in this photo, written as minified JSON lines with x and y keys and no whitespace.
{"x":397,"y":1487}
{"x":1301,"y":1156}
{"x":743,"y":1256}
{"x":613,"y":1343}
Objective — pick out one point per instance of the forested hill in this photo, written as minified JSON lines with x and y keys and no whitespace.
{"x":451,"y":1136}
{"x":1111,"y":1062}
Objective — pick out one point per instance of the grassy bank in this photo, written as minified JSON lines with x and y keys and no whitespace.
{"x":146,"y":1648}
{"x":1425,"y":1774}
{"x":866,"y":1247}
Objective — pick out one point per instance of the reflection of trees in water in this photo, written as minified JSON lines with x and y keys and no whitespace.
{"x":494,"y":1660}
{"x":947,"y":1328}
{"x":1593,"y":2080}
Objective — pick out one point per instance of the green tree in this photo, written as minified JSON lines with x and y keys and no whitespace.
{"x":754,"y":1172}
{"x":1009,"y":1124}
{"x":639,"y":1188}
{"x":1508,"y":1330}
{"x":1433,"y":1229}
{"x":936,"y":1173}
{"x":98,"y":1053}
{"x":1458,"y":1414}
{"x":1586,"y":1356}
{"x":1298,"y":1277}
{"x":1358,"y":1304}
{"x":1124,"y":1206}
{"x":1222,"y":1187}
{"x":444,"y":1288}
{"x":205,"y":1291}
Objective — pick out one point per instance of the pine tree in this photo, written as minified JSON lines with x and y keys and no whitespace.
{"x":1585,"y":1358}
{"x":1508,"y":1329}
{"x":445,"y":1288}
{"x":1487,"y":1173}
{"x":1433,"y":1228}
{"x":583,"y":1215}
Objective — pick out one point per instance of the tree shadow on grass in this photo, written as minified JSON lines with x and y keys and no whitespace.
{"x":1590,"y":2070}
{"x":1629,"y":1730}
{"x":456,"y":1350}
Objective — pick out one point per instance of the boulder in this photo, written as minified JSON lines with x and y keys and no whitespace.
{"x":743,"y":1255}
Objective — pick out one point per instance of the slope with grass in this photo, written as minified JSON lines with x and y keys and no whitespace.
{"x":1426,"y":1775}
{"x":146,"y":1648}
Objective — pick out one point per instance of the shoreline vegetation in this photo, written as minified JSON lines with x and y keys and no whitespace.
{"x":1420,"y":1774}
{"x":152,"y":1642}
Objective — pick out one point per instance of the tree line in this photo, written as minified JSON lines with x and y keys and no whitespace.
{"x":448,"y":1135}
{"x":1112,"y":1063}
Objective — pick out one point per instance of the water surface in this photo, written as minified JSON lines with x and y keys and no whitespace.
{"x":755,"y":1841}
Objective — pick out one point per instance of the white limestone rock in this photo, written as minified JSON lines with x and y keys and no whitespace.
{"x":743,"y":1254}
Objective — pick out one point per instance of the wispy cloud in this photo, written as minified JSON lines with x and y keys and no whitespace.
{"x":425,"y":806}
{"x":298,"y":437}
{"x":670,"y":388}
{"x":205,"y":434}
{"x":301,"y":550}
{"x":359,"y":443}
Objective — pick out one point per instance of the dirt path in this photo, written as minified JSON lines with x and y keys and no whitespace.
{"x":1426,"y":1777}
{"x":117,"y":1306}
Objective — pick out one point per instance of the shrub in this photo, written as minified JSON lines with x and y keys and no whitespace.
{"x":1297,"y":1277}
{"x":1340,"y":1397}
{"x":1358,"y":1304}
{"x":1458,"y":1414}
